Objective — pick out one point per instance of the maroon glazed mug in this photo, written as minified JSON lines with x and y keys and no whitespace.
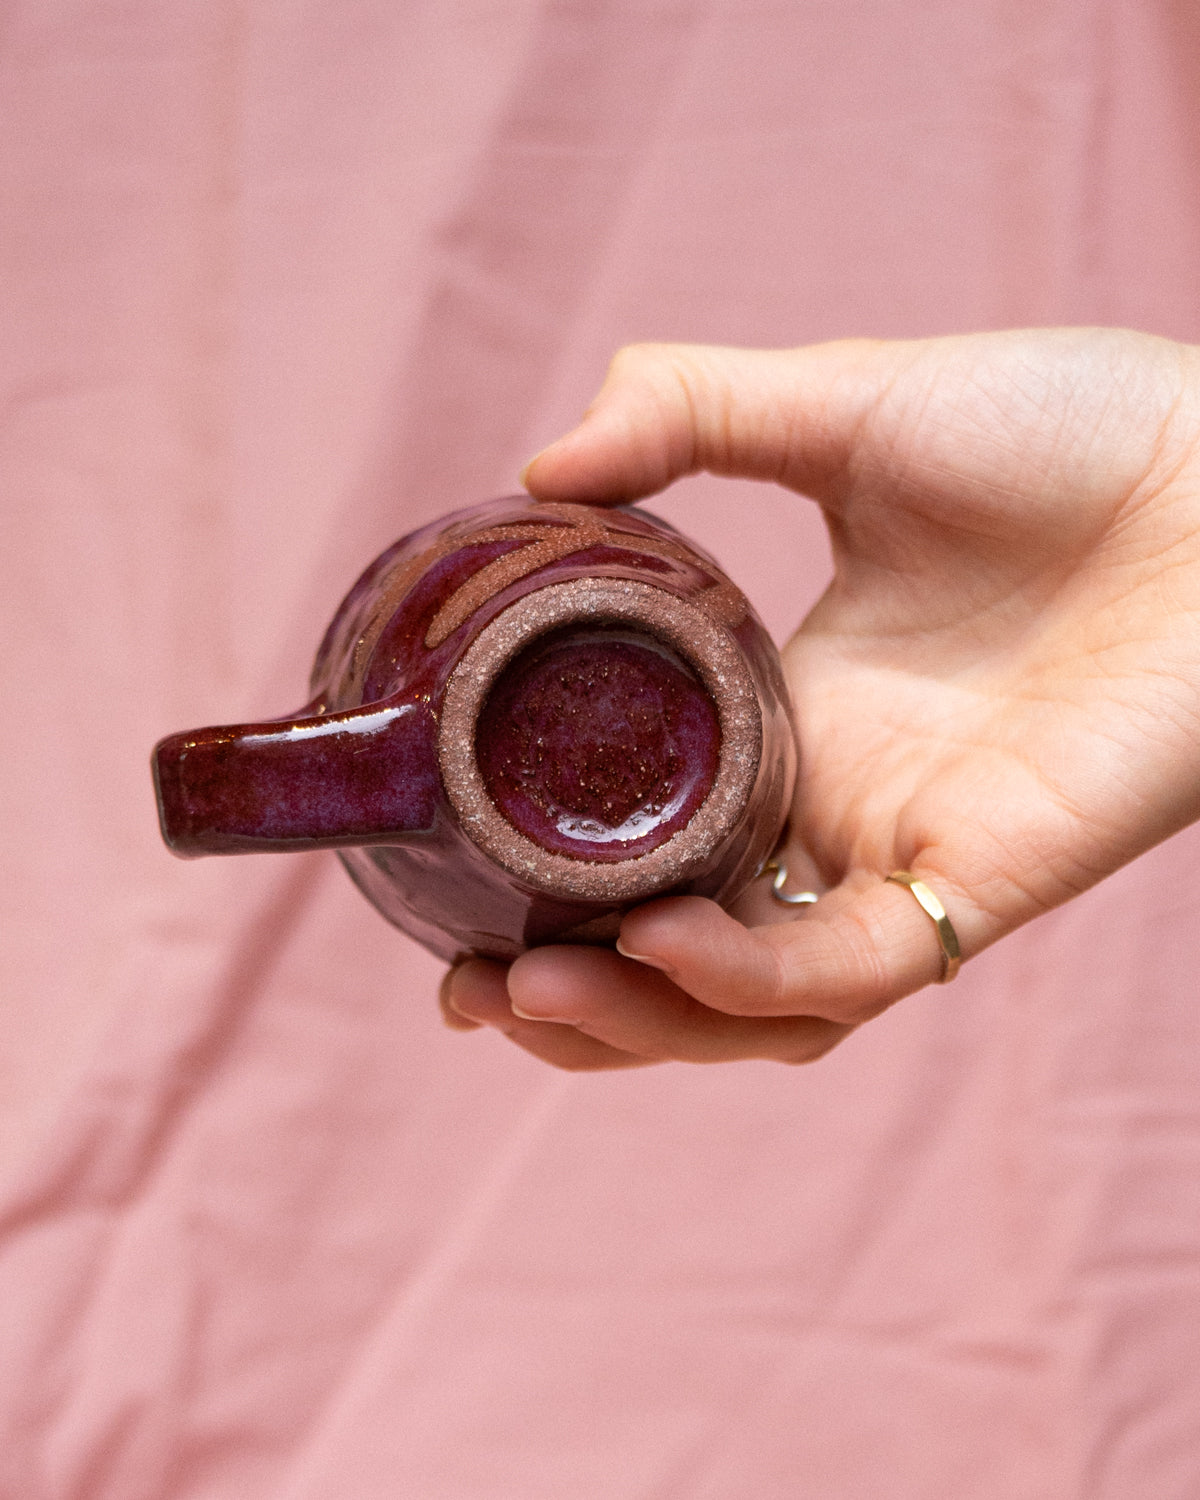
{"x":526,"y":719}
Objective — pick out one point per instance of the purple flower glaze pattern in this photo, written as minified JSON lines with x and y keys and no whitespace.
{"x":525,"y":719}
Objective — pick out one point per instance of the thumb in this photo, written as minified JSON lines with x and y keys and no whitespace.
{"x":665,"y":410}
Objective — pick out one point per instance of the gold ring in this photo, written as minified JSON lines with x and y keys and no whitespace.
{"x":929,"y":903}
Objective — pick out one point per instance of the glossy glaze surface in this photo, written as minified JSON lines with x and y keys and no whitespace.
{"x":598,"y":744}
{"x":604,"y":740}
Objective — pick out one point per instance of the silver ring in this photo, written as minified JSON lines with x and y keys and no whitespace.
{"x":799,"y":898}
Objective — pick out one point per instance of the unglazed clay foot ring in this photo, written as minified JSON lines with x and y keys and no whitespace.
{"x":797,"y":898}
{"x":933,"y":908}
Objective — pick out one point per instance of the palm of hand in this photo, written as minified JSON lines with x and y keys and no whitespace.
{"x":1004,"y":616}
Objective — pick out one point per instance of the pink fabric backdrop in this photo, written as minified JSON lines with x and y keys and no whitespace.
{"x":281,"y":281}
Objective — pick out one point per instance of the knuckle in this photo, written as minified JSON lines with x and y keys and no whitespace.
{"x":864,"y":978}
{"x":839,"y":973}
{"x":672,"y":369}
{"x":776,"y":982}
{"x":762,"y":984}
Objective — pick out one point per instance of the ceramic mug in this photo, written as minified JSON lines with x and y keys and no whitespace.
{"x":526,"y":718}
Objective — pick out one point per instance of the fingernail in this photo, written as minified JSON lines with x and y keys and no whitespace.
{"x":644,"y":958}
{"x":451,"y":1015}
{"x":456,"y":1021}
{"x":527,"y":1016}
{"x":523,"y":476}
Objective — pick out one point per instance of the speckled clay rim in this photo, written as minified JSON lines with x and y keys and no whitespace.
{"x":704,"y":645}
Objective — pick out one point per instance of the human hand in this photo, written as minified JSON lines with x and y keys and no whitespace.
{"x":999,"y":691}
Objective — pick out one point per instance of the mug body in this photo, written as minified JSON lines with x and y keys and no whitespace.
{"x":608,"y":716}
